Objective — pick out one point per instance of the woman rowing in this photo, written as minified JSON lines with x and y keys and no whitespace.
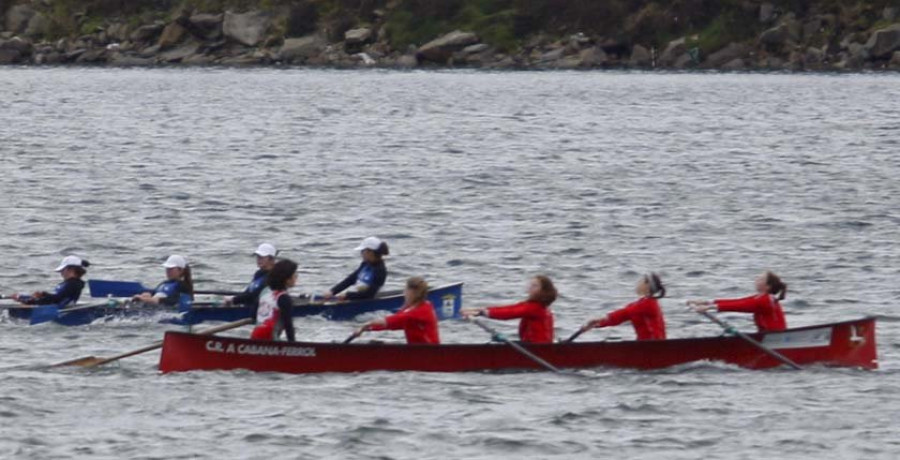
{"x":765,"y":306}
{"x":368,"y":278}
{"x":72,"y":269}
{"x":274,"y":315}
{"x":265,"y":261}
{"x":645,"y":315}
{"x":536,"y":325}
{"x":176,"y":290}
{"x":416,"y":318}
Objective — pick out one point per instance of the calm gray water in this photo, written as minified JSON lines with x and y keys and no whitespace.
{"x":486,"y":178}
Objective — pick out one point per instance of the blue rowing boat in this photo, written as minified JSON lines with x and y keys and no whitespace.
{"x":446,"y":299}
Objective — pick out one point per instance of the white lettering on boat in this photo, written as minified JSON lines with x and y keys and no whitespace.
{"x":216,"y":346}
{"x":811,"y":338}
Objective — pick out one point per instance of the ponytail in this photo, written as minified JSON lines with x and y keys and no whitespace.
{"x":383,"y":250}
{"x":657,"y":290}
{"x":777,"y":287}
{"x":188,"y":279}
{"x":80,"y":270}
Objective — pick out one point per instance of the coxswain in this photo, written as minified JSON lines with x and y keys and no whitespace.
{"x":265,"y":261}
{"x":536,"y":325}
{"x":645,"y":315}
{"x":368,"y":278}
{"x":72,"y":269}
{"x":176,"y":290}
{"x":765,"y":306}
{"x":274,"y":314}
{"x":416,"y":318}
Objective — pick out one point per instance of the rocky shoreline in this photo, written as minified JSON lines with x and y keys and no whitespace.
{"x":254,"y":38}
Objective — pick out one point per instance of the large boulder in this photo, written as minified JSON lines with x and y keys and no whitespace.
{"x":147,"y":33}
{"x":118,"y":32}
{"x":441,"y":49}
{"x":180,"y":53}
{"x":358,"y":36}
{"x":206,"y":26}
{"x":640,"y":57}
{"x":248,"y":29}
{"x":674,"y":50}
{"x":728,"y":54}
{"x":884,"y":42}
{"x":592,"y":57}
{"x":302,"y":49}
{"x":17,"y":18}
{"x":38,"y":26}
{"x":171,"y":36}
{"x":786,"y":32}
{"x":734,"y":65}
{"x":895,"y":60}
{"x":15,"y":50}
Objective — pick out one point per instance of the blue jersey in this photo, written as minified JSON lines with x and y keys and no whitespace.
{"x":65,"y":294}
{"x":173,"y":292}
{"x":371,"y":277}
{"x":250,"y":296}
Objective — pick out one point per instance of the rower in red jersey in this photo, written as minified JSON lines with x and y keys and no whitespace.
{"x":416,"y":318}
{"x":645,"y":315}
{"x":537,"y":318}
{"x":765,"y":306}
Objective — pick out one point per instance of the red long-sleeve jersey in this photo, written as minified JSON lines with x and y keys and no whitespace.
{"x":419,"y":323}
{"x":537,"y":320}
{"x":644,"y":314}
{"x":767,"y":312}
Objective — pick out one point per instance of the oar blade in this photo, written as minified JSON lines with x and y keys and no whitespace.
{"x":105,"y":288}
{"x":85,"y":361}
{"x":44,"y":314}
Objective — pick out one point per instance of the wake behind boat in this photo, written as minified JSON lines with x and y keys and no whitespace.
{"x":843,"y":344}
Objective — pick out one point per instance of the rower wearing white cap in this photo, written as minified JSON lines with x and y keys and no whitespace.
{"x":72,"y":269}
{"x":265,"y":261}
{"x":369,"y":277}
{"x":177,"y":289}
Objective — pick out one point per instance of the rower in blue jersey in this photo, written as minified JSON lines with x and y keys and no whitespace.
{"x":368,"y":278}
{"x":265,"y":261}
{"x":176,"y":290}
{"x":66,"y":294}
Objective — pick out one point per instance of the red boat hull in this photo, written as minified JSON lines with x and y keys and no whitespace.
{"x":846,"y":344}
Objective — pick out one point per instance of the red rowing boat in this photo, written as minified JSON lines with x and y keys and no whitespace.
{"x":845,"y":344}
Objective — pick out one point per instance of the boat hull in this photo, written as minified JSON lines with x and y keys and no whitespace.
{"x":447,"y":301}
{"x":845,"y":344}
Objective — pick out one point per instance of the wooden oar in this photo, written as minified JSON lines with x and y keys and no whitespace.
{"x":502,"y":338}
{"x":575,"y":335}
{"x":352,"y":337}
{"x":93,"y":361}
{"x":731,"y":330}
{"x":229,"y":293}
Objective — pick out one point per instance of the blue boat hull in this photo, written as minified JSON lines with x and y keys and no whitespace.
{"x":83,"y":316}
{"x":447,"y":301}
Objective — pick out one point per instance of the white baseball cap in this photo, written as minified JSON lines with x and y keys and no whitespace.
{"x":371,"y":242}
{"x":69,"y":261}
{"x":175,"y":261}
{"x":266,"y":250}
